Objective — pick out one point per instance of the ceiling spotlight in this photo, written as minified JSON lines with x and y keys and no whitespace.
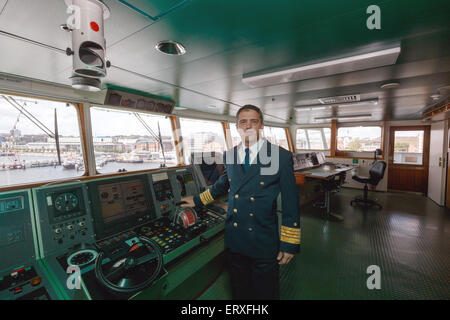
{"x":390,"y":85}
{"x":169,"y":47}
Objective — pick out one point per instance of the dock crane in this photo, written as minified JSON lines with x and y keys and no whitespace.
{"x":36,"y":122}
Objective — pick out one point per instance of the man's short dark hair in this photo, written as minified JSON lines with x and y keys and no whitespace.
{"x":251,"y":107}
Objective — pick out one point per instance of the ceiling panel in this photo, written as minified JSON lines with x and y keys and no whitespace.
{"x":28,"y":60}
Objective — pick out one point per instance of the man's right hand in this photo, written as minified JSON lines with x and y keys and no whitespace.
{"x":189,"y":202}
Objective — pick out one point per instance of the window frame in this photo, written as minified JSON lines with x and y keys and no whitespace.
{"x":175,"y":137}
{"x":223,"y":125}
{"x":357,"y":154}
{"x":285,"y":132}
{"x":79,"y":109}
{"x":307,"y":138}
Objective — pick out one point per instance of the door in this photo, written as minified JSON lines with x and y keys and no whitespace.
{"x":447,"y":198}
{"x":409,"y":148}
{"x":437,"y":163}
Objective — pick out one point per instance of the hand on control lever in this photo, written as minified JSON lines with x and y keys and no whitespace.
{"x":187,"y":202}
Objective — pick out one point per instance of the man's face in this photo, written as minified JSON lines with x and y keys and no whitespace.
{"x":249,"y":125}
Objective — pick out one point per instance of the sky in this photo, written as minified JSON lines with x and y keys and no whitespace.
{"x":360,"y":132}
{"x":44,"y":112}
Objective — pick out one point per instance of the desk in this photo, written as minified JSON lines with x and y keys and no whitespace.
{"x":326,"y":174}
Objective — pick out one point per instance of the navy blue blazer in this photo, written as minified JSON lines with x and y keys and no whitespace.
{"x":251,"y":226}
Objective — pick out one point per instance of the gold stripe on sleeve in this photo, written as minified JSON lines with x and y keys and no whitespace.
{"x":206,"y":197}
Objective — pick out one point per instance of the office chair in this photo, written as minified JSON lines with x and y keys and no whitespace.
{"x":376,"y":173}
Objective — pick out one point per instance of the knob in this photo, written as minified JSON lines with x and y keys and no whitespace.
{"x":35,"y":281}
{"x":70,"y":227}
{"x":57,"y":231}
{"x":81,"y":224}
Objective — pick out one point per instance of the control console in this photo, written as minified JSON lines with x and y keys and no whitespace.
{"x":22,"y":275}
{"x":106,"y":219}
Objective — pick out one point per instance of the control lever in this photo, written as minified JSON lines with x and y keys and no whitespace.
{"x":180,"y":203}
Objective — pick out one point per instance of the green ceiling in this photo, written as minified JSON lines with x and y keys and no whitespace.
{"x":226,"y":39}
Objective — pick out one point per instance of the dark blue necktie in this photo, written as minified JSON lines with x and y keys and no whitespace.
{"x":247,"y":160}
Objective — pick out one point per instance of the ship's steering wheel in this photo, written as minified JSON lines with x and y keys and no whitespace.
{"x":134,"y":271}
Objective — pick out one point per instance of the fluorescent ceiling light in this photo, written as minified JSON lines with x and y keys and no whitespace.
{"x":310,"y":108}
{"x":348,"y":64}
{"x":390,"y":85}
{"x":349,"y":117}
{"x":348,"y":104}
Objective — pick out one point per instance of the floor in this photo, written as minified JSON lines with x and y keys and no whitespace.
{"x":409,"y":240}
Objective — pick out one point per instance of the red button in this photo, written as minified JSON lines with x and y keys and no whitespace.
{"x":94,"y":26}
{"x":17,"y":290}
{"x":19,"y":269}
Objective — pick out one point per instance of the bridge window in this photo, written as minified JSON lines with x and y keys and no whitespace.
{"x":276,"y":136}
{"x":235,"y":137}
{"x":131,"y":140}
{"x":313,"y":139}
{"x":201,"y":136}
{"x":359,"y":139}
{"x":29,"y":131}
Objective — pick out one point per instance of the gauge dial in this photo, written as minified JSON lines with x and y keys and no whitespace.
{"x":82,"y":257}
{"x":66,"y":202}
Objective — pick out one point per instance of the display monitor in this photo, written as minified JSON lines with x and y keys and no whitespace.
{"x":119,"y":204}
{"x":120,"y":200}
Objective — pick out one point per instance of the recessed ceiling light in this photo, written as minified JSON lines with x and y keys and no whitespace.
{"x":180,"y":108}
{"x":435,"y":96}
{"x":169,"y":47}
{"x":390,"y":85}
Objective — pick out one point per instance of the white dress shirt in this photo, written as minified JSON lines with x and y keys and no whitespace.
{"x":254,"y":149}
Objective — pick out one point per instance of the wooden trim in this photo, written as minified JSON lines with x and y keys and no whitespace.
{"x":333,"y":139}
{"x":437,"y":111}
{"x":177,"y":139}
{"x":83,"y":138}
{"x":384,"y":135}
{"x":227,"y":134}
{"x":289,"y":140}
{"x":299,"y":179}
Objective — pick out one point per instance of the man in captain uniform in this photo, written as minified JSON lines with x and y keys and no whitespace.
{"x":255,"y":173}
